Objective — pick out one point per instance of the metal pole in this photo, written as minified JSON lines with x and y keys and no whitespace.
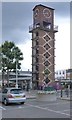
{"x":16,"y":76}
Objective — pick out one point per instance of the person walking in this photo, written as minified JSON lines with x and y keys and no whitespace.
{"x":67,"y":91}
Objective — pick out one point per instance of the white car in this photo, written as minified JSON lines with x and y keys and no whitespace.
{"x":13,"y":95}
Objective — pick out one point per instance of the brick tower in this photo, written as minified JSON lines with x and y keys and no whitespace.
{"x":43,"y":45}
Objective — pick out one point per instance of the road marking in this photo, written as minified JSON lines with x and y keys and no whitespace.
{"x":16,"y":108}
{"x":54,"y":104}
{"x":2,"y":108}
{"x":23,"y":107}
{"x":49,"y":109}
{"x":67,"y":110}
{"x":20,"y":107}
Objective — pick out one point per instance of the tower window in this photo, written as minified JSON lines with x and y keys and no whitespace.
{"x":37,"y":76}
{"x":46,"y":63}
{"x":37,"y":51}
{"x":47,"y":46}
{"x":37,"y":67}
{"x":37,"y":59}
{"x":46,"y":55}
{"x":47,"y":38}
{"x":47,"y":80}
{"x":37,"y":43}
{"x":37,"y":34}
{"x":46,"y":71}
{"x":47,"y":24}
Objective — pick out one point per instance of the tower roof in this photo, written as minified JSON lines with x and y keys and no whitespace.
{"x":42,"y":6}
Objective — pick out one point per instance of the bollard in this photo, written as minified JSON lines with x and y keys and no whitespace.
{"x":61,"y":93}
{"x":67,"y":93}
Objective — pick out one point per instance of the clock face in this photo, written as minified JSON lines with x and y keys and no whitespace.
{"x":46,"y":13}
{"x":36,"y":13}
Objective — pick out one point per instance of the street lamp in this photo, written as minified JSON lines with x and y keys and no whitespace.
{"x":16,"y":76}
{"x":16,"y":72}
{"x":2,"y":70}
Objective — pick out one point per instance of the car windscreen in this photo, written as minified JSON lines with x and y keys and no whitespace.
{"x":16,"y":91}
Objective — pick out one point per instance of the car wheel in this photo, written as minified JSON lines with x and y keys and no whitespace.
{"x":22,"y":102}
{"x":5,"y":102}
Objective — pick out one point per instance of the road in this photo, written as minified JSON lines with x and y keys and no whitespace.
{"x":34,"y":109}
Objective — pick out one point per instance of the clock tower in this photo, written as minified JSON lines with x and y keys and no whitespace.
{"x":43,"y":45}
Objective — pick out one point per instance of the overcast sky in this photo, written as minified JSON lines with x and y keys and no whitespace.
{"x":16,"y":18}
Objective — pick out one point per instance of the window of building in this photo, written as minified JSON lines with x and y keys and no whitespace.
{"x":57,"y":73}
{"x":37,"y":34}
{"x":47,"y":46}
{"x":46,"y":55}
{"x":47,"y":38}
{"x":47,"y":80}
{"x":47,"y":24}
{"x":46,"y":63}
{"x":37,"y":51}
{"x":46,"y":71}
{"x":37,"y":60}
{"x":60,"y":73}
{"x":5,"y":91}
{"x":63,"y":72}
{"x":37,"y":67}
{"x":37,"y":43}
{"x":37,"y":76}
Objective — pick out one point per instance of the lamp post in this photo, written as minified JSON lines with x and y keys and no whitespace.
{"x":3,"y":72}
{"x":17,"y":59}
{"x":16,"y":76}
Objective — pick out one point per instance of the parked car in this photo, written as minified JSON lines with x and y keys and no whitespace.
{"x":13,"y":95}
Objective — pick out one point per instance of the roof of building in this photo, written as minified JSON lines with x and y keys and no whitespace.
{"x":43,"y":6}
{"x":69,"y":70}
{"x":25,"y":73}
{"x":28,"y":72}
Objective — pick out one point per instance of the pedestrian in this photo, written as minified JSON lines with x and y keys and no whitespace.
{"x":67,"y":91}
{"x":61,"y":93}
{"x":28,"y":87}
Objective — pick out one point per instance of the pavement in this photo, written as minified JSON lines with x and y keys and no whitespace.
{"x":32,"y":95}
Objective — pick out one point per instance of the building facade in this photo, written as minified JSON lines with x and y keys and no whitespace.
{"x":69,"y":74}
{"x":24,"y":78}
{"x":43,"y":45}
{"x":64,"y":76}
{"x":60,"y":74}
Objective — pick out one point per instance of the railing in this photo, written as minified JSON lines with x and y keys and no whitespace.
{"x":55,"y":28}
{"x":32,"y":27}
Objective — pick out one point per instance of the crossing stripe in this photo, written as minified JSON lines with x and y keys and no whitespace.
{"x":2,"y":108}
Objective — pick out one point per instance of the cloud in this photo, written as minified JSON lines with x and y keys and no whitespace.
{"x":15,"y":21}
{"x":27,"y":52}
{"x":17,"y":16}
{"x":62,"y":9}
{"x":0,"y":22}
{"x":62,"y":45}
{"x":17,"y":35}
{"x":71,"y":10}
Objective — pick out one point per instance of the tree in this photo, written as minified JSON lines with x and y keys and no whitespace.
{"x":11,"y":55}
